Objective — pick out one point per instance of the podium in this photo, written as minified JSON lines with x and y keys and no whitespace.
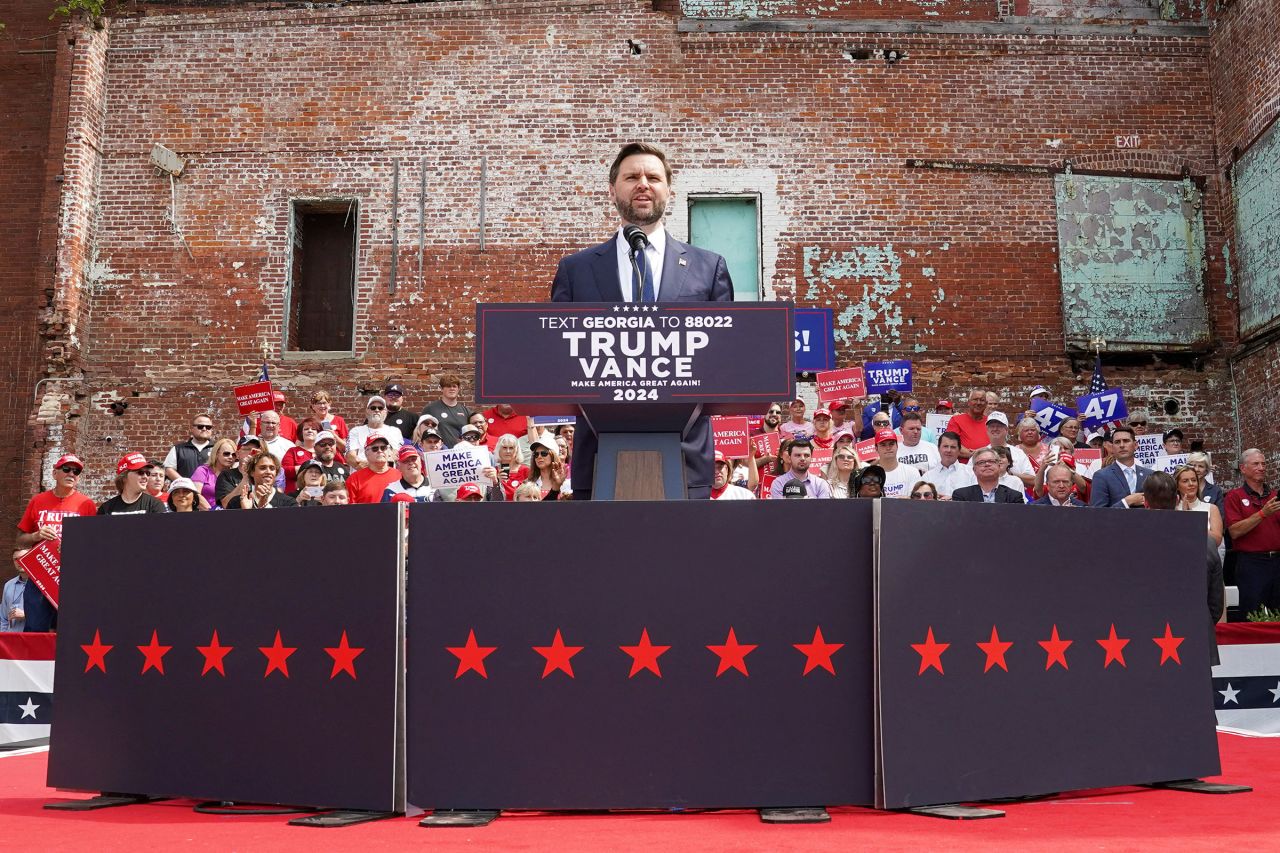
{"x":641,"y":378}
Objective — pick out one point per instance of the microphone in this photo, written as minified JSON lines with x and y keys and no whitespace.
{"x":635,"y":237}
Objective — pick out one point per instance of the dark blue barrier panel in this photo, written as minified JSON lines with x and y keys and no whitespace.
{"x":1080,"y":663}
{"x":582,"y":659}
{"x":294,"y":701}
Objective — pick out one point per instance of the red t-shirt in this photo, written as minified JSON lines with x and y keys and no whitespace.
{"x":47,"y":510}
{"x":973,"y":433}
{"x":499,"y":426}
{"x":366,"y":487}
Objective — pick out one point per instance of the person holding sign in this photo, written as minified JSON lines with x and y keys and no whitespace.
{"x":45,"y":512}
{"x":721,"y":488}
{"x":412,"y":482}
{"x":666,"y":270}
{"x":1120,"y":483}
{"x":25,"y":607}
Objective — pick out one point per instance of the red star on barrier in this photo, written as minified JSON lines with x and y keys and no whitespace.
{"x":214,"y":654}
{"x":153,"y":654}
{"x":733,"y":655}
{"x":994,"y":649}
{"x":645,"y":655}
{"x":930,"y":652}
{"x":277,"y":657}
{"x":1055,"y":649}
{"x":558,"y":656}
{"x":1169,"y":646}
{"x":471,"y":656}
{"x":97,"y":652}
{"x":818,"y":653}
{"x":1115,"y":648}
{"x":344,"y":658}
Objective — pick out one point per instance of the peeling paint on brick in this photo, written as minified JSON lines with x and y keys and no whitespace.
{"x":1131,"y":260}
{"x":873,"y":275}
{"x":1257,"y":196}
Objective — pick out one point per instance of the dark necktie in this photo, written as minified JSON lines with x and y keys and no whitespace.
{"x":646,"y":290}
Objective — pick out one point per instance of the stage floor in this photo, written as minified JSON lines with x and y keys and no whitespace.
{"x":1113,"y":819}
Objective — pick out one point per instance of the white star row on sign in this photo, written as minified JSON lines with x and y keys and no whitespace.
{"x":29,"y":709}
{"x":637,"y":308}
{"x":1275,"y":693}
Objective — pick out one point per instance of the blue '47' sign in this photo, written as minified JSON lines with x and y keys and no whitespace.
{"x":1103,"y":407}
{"x":1050,"y":416}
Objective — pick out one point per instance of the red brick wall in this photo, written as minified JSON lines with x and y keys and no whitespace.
{"x":28,"y":61}
{"x":884,"y":10}
{"x":955,"y":268}
{"x":1245,"y":72}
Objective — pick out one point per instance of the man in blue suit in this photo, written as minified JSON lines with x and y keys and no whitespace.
{"x":640,"y":189}
{"x":1120,"y":483}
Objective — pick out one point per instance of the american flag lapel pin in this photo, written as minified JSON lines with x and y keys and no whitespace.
{"x":683,"y":262}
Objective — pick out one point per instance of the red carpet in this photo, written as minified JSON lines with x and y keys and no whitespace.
{"x":1112,"y":819}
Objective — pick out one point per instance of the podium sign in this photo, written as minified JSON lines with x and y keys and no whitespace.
{"x":565,"y":353}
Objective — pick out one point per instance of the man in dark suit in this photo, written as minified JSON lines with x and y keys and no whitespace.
{"x":1057,"y":486}
{"x":1120,"y":483}
{"x":986,"y":468}
{"x":670,"y":271}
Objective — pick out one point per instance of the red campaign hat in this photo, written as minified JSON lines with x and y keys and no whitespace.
{"x":68,"y":459}
{"x":944,"y":404}
{"x":409,"y":452}
{"x":823,"y":412}
{"x":720,"y":457}
{"x":838,"y":404}
{"x":885,"y":435}
{"x":469,"y":490}
{"x":277,"y":396}
{"x":402,"y":498}
{"x":131,"y":462}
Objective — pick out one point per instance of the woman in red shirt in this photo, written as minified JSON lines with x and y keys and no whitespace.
{"x":321,"y":405}
{"x":308,"y":429}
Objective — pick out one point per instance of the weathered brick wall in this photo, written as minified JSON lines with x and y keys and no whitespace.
{"x":1245,"y":70}
{"x":933,"y":10}
{"x":29,"y":60}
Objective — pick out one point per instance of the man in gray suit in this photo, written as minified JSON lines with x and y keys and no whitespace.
{"x":669,"y":271}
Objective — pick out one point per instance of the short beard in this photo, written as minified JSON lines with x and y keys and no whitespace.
{"x":630,"y":214}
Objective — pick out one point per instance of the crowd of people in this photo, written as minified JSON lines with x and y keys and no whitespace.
{"x":318,"y":460}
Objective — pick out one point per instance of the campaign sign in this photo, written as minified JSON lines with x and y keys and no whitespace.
{"x":821,"y":458}
{"x":553,"y":420}
{"x":624,"y":680}
{"x":937,"y":421}
{"x":663,"y":352}
{"x":1169,"y":464}
{"x":1150,"y":447}
{"x":455,"y":466}
{"x":1088,"y":461}
{"x":836,"y":385}
{"x":731,"y":436}
{"x":767,"y":444}
{"x":885,"y":376}
{"x":254,"y":398}
{"x":1102,"y":408}
{"x":44,"y":566}
{"x":815,"y":339}
{"x":766,"y":481}
{"x":1049,"y":416}
{"x":866,"y":450}
{"x":1004,"y":678}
